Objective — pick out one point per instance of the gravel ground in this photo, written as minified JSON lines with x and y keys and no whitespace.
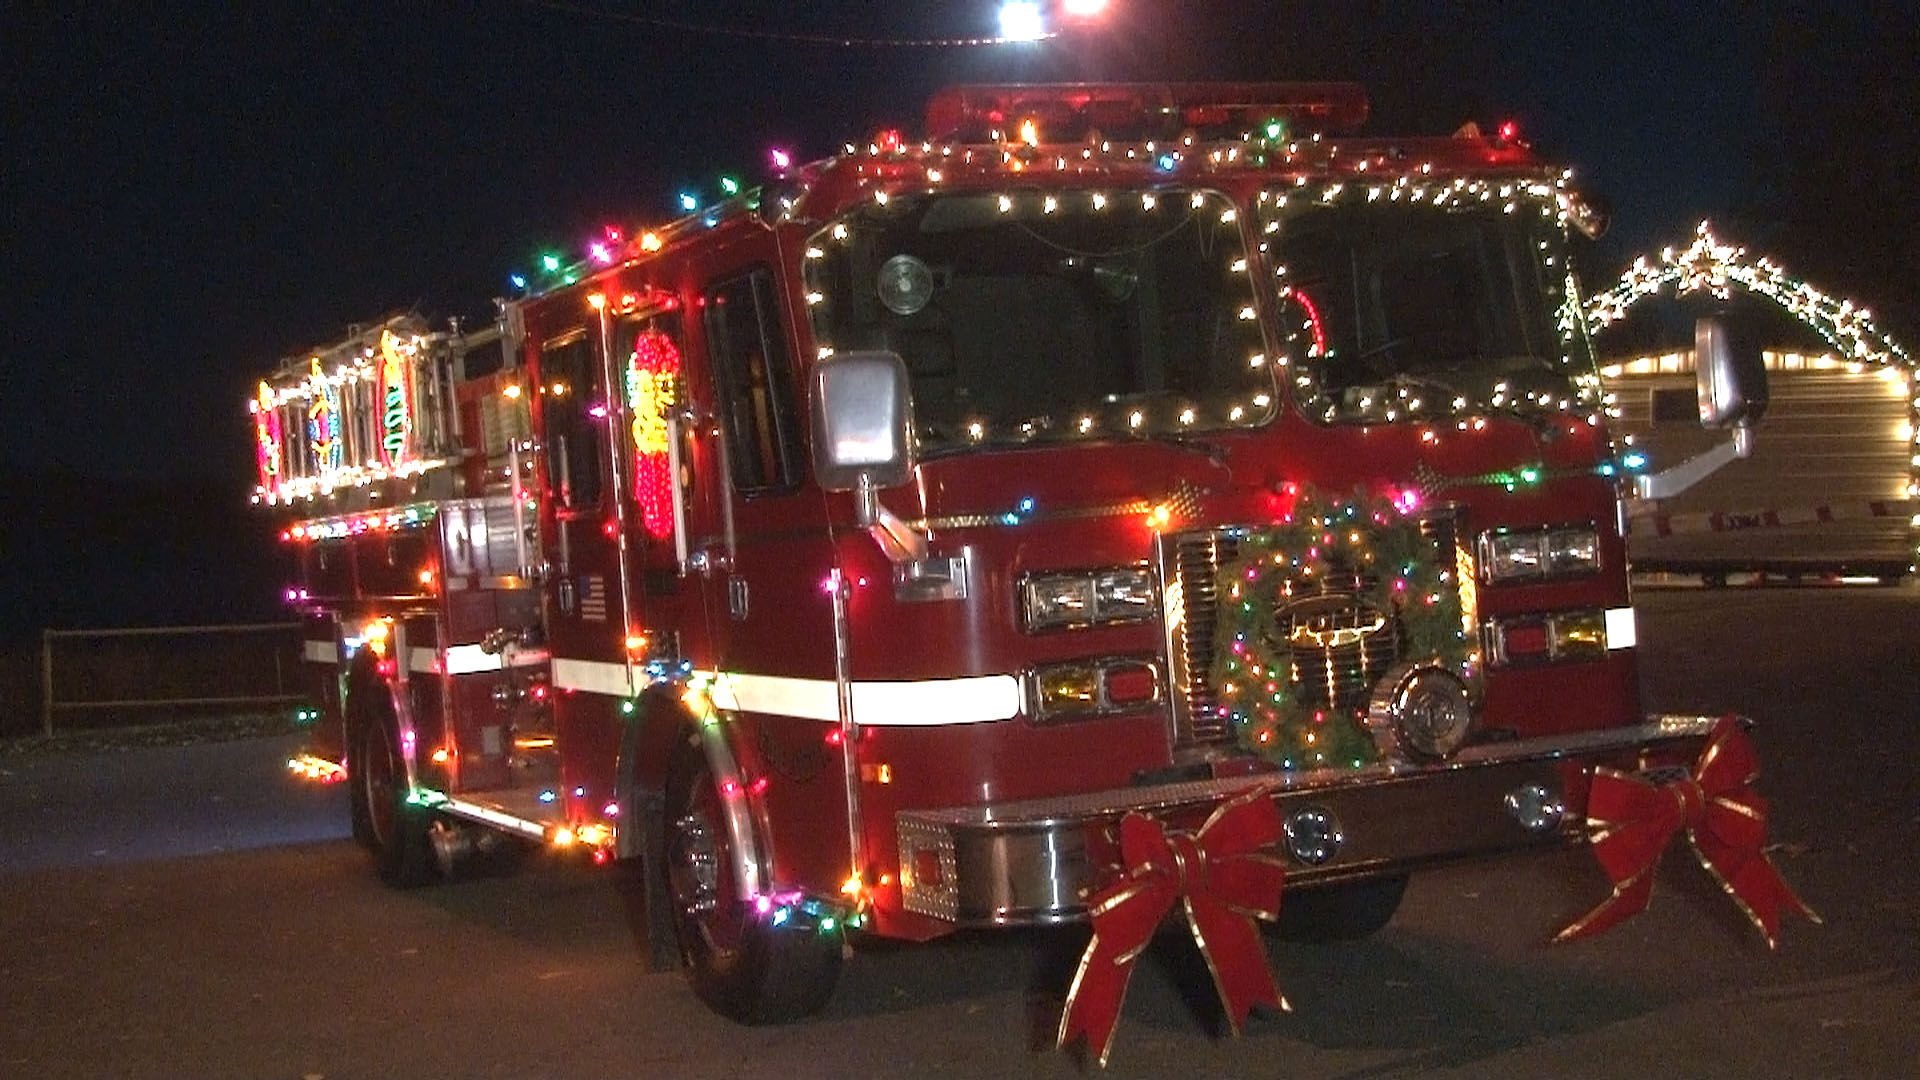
{"x":207,"y":729}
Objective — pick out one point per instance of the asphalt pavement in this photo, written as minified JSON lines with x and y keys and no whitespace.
{"x":193,"y":912}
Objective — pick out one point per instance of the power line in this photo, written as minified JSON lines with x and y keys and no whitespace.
{"x":834,"y":40}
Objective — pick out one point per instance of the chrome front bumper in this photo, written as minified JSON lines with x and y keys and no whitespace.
{"x":1035,"y":862}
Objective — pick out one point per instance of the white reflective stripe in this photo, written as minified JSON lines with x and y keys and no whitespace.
{"x":321,"y":652}
{"x":975,"y":699}
{"x":780,"y":695}
{"x":468,"y":659}
{"x":1620,"y":628}
{"x":930,"y":702}
{"x":592,"y":676}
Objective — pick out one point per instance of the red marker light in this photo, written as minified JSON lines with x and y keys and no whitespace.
{"x":1509,"y":131}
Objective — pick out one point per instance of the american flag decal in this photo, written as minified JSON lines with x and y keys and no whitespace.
{"x":593,"y":598}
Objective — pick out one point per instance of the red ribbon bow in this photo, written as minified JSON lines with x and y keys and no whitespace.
{"x":1631,"y":821}
{"x":1227,"y":877}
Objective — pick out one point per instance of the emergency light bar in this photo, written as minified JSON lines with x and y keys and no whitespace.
{"x":1069,"y":111}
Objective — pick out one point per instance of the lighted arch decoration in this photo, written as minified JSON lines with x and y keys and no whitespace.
{"x":1717,"y":267}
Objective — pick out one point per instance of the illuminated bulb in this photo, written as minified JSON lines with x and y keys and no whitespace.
{"x":1020,"y":20}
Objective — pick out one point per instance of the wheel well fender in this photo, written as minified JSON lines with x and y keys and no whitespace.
{"x":360,"y":690}
{"x":654,"y":735}
{"x":658,"y":727}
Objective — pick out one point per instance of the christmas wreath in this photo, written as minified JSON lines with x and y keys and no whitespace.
{"x":1379,"y":551}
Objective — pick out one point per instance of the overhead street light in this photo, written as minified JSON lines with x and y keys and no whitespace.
{"x":1020,"y":20}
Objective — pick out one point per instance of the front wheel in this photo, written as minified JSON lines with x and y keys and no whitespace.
{"x":746,"y":963}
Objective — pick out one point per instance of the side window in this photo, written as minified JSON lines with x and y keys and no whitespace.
{"x":755,"y":383}
{"x":570,"y":398}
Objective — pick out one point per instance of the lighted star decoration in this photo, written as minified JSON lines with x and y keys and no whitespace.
{"x":1716,"y":267}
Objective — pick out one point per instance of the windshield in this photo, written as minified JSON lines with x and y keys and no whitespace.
{"x":1439,"y":300}
{"x":1036,"y":316}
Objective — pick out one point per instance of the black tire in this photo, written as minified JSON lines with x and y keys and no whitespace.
{"x":397,"y":830}
{"x":1344,"y":912}
{"x":357,"y":809}
{"x":738,"y":963}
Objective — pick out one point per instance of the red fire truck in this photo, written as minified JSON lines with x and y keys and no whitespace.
{"x":853,"y":553}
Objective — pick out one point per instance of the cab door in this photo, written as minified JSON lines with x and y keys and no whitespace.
{"x":587,"y":587}
{"x":765,"y":571}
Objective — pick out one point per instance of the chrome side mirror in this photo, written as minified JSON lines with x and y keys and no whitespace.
{"x":862,"y":425}
{"x":1732,"y":383}
{"x":862,"y":416}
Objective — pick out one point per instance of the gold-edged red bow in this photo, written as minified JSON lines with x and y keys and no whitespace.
{"x":1225,"y":873}
{"x":1631,"y":820}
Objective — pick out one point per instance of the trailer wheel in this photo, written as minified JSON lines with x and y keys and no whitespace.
{"x":738,"y":962}
{"x":1345,"y":912}
{"x":398,"y":830}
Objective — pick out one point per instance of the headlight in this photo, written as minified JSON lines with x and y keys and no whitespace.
{"x":1539,"y":554}
{"x":1088,"y":598}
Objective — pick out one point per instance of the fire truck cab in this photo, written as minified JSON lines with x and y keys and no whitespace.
{"x":854,"y":552}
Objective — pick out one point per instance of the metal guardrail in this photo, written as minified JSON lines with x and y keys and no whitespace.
{"x":50,"y":703}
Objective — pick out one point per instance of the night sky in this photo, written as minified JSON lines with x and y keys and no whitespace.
{"x":191,"y":196}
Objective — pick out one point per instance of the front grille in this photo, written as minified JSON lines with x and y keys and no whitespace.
{"x":1192,"y":569}
{"x":1339,"y":642}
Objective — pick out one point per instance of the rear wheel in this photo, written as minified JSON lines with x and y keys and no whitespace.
{"x":1345,"y":912}
{"x":739,"y":962}
{"x":397,"y":831}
